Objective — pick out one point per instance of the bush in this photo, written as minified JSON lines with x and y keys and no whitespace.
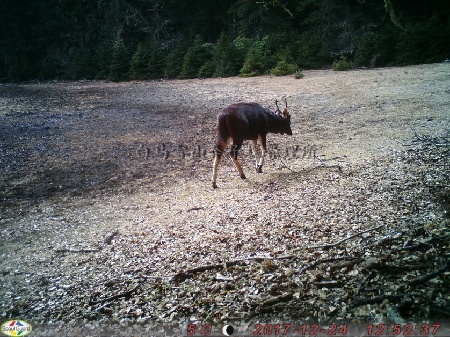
{"x":283,"y":68}
{"x":342,"y":64}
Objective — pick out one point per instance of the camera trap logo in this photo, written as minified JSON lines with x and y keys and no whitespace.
{"x":16,"y":328}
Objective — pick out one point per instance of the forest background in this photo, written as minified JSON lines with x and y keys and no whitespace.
{"x":152,"y":39}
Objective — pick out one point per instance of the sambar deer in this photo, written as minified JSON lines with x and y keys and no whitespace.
{"x":248,"y":121}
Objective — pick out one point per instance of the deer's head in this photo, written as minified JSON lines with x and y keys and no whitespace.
{"x":285,"y":126}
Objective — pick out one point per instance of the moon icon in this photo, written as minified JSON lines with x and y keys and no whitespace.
{"x":228,"y":330}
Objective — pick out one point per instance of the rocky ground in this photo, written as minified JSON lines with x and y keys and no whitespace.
{"x":108,"y":215}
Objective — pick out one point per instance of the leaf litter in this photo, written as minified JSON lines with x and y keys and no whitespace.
{"x":108,"y":215}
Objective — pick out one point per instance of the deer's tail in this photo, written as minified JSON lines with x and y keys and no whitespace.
{"x":223,"y":133}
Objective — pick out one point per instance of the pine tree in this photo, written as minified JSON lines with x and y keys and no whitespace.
{"x":139,"y":62}
{"x":226,"y":61}
{"x":197,"y":56}
{"x":119,"y":63}
{"x":156,"y":63}
{"x":174,"y":62}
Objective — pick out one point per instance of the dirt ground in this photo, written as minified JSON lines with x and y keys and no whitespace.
{"x":108,"y":213}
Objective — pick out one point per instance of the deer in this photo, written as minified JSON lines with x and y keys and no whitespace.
{"x":248,"y":121}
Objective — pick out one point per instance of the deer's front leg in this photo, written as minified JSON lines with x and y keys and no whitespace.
{"x":255,"y":153}
{"x":233,"y":154}
{"x":262,"y":141}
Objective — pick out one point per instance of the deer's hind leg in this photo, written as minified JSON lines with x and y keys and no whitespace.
{"x":233,"y":155}
{"x":219,"y":149}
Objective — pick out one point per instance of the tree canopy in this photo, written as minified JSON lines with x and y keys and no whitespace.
{"x":144,"y":39}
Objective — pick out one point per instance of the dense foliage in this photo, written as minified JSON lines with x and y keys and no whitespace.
{"x":143,"y":39}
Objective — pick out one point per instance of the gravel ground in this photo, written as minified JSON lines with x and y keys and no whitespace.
{"x":108,"y":215}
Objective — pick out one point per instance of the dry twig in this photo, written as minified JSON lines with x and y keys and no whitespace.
{"x":432,"y":275}
{"x":330,"y":245}
{"x":272,"y":300}
{"x":124,"y":294}
{"x":76,"y":250}
{"x":374,"y":300}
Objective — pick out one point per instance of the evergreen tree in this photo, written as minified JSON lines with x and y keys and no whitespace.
{"x":174,"y":62}
{"x":139,"y":62}
{"x":79,"y":39}
{"x":195,"y":58}
{"x":156,"y":63}
{"x":226,"y":60}
{"x":103,"y":62}
{"x":257,"y":60}
{"x":368,"y":49}
{"x":119,"y":63}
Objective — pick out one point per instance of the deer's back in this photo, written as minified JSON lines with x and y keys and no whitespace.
{"x":245,"y":120}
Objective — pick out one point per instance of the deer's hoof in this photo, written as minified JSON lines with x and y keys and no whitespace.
{"x":243,"y":176}
{"x":214,"y":185}
{"x":259,"y":169}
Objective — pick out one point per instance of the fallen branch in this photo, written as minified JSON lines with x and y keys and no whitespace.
{"x":312,"y":168}
{"x":270,"y":301}
{"x":432,"y":275}
{"x":328,"y":284}
{"x":316,"y":263}
{"x":183,"y":275}
{"x":76,"y":250}
{"x":374,"y":300}
{"x":195,"y":209}
{"x":386,"y":239}
{"x":330,"y":245}
{"x":111,"y":298}
{"x":101,"y":308}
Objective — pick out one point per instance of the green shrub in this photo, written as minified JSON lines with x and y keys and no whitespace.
{"x":283,"y":68}
{"x":342,"y":64}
